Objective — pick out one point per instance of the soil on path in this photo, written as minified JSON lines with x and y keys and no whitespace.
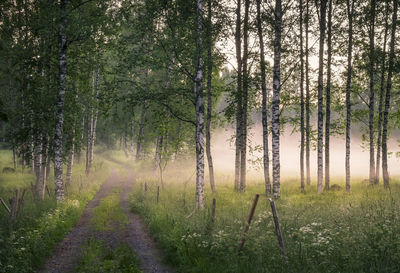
{"x":67,"y":254}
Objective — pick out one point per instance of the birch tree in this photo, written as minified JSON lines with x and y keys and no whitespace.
{"x":199,"y":108}
{"x":322,"y":27}
{"x":385,"y":171}
{"x":350,"y":14}
{"x":264,"y":101}
{"x":58,"y":138}
{"x":276,"y":87}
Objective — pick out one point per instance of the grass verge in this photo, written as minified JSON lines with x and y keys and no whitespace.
{"x":331,"y":232}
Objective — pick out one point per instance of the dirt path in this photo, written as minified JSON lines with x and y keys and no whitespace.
{"x":68,"y":252}
{"x":137,"y":236}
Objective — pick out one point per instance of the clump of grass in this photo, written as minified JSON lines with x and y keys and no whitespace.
{"x":109,"y":212}
{"x":98,"y":258}
{"x":332,"y":232}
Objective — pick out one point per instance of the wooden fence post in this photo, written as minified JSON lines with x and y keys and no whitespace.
{"x":278,"y":229}
{"x":247,"y":225}
{"x":158,"y":193}
{"x":5,"y":205}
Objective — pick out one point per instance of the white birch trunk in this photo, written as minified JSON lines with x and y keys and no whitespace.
{"x":58,"y":138}
{"x":199,"y":108}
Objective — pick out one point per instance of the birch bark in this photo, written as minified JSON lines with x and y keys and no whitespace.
{"x":276,"y":99}
{"x":58,"y":138}
{"x":385,"y":172}
{"x":264,"y":101}
{"x":199,"y":108}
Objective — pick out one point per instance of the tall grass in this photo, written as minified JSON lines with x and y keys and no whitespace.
{"x":331,"y":232}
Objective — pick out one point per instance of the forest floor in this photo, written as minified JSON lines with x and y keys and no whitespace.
{"x":131,"y":231}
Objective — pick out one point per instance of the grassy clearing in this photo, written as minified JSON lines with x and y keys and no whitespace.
{"x":97,"y":258}
{"x":26,"y":243}
{"x":332,"y":232}
{"x":109,"y":213}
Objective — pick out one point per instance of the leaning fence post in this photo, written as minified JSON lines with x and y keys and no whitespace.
{"x":5,"y":205}
{"x":247,"y":225}
{"x":278,"y":229}
{"x":145,"y":187}
{"x":158,"y":193}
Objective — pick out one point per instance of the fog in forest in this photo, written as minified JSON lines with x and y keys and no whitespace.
{"x":223,"y":152}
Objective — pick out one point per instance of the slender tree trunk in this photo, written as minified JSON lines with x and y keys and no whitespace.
{"x":350,"y":12}
{"x":88,"y":139}
{"x":157,"y":155}
{"x":199,"y":108}
{"x":14,"y":156}
{"x":301,"y":99}
{"x":58,"y":138}
{"x":70,"y":161}
{"x":238,"y":44}
{"x":38,"y":166}
{"x":132,"y":140}
{"x":96,"y":111}
{"x":371,"y":93}
{"x":322,"y":27}
{"x":45,"y":158}
{"x":381,"y":96}
{"x":209,"y":99}
{"x":243,"y":151}
{"x":264,"y":101}
{"x":276,"y":87}
{"x":141,"y":130}
{"x":328,"y":99}
{"x":81,"y":139}
{"x":308,"y":129}
{"x":385,"y":172}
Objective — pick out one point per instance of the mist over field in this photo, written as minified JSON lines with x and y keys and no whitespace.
{"x":223,"y":151}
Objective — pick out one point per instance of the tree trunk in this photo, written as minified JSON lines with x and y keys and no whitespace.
{"x":199,"y":108}
{"x":302,"y":186}
{"x":38,"y":154}
{"x":45,"y":159}
{"x":243,"y":151}
{"x":96,"y":111}
{"x":238,"y":45}
{"x":385,"y":172}
{"x":350,"y":12}
{"x":308,"y":129}
{"x":157,"y":155}
{"x":328,"y":98}
{"x":276,"y":100}
{"x":381,"y":95}
{"x":140,"y":134}
{"x":264,"y":102}
{"x":209,"y":99}
{"x":70,"y":161}
{"x":371,"y":94}
{"x":58,"y":138}
{"x":81,"y":139}
{"x":88,"y":140}
{"x":322,"y":26}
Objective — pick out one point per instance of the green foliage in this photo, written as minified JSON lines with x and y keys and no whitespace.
{"x":332,"y":232}
{"x":98,"y":258}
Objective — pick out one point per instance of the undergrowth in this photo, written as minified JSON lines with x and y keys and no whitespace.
{"x":30,"y":238}
{"x":331,"y":232}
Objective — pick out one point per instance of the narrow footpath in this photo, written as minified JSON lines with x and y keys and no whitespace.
{"x":68,"y":252}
